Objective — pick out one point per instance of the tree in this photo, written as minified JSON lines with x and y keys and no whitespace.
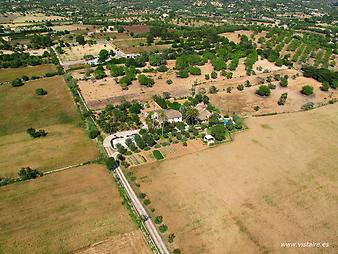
{"x":240,"y":87}
{"x":263,"y":90}
{"x":194,"y":70}
{"x":307,"y":90}
{"x":191,"y":115}
{"x":111,"y":163}
{"x":283,"y":82}
{"x":182,"y":74}
{"x":162,"y":117}
{"x":80,"y":39}
{"x":103,"y":55}
{"x":218,"y":131}
{"x":139,"y":141}
{"x":121,"y":149}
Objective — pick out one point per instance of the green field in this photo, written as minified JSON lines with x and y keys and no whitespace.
{"x":66,"y":142}
{"x":10,"y":74}
{"x":158,"y":155}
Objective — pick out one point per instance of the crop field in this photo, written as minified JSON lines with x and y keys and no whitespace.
{"x":136,"y":29}
{"x":136,"y":45}
{"x":13,"y":73}
{"x":35,"y":17}
{"x":55,"y":112}
{"x":61,"y":213}
{"x":276,"y":183}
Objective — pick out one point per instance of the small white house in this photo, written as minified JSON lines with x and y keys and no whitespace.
{"x":209,"y":139}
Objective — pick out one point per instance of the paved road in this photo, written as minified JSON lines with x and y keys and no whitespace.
{"x":162,"y":248}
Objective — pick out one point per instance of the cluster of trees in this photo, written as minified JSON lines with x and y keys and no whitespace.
{"x":282,"y":99}
{"x":24,"y":174}
{"x":322,"y":75}
{"x":40,"y":41}
{"x":16,"y":60}
{"x":36,"y":133}
{"x":120,"y":117}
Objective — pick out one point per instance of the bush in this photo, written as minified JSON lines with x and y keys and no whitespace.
{"x":93,"y":133}
{"x":158,"y":219}
{"x":28,"y":173}
{"x":325,"y":86}
{"x":36,"y":133}
{"x":307,"y":90}
{"x":177,"y":251}
{"x":163,"y":228}
{"x":207,"y":76}
{"x":213,"y":75}
{"x":146,"y":202}
{"x":40,"y":92}
{"x":282,"y":99}
{"x":25,"y":78}
{"x":182,"y":74}
{"x":240,"y":87}
{"x":171,"y":238}
{"x":284,"y":82}
{"x":263,"y":90}
{"x":145,"y":80}
{"x":194,"y":70}
{"x":158,"y":155}
{"x":169,"y":81}
{"x":121,"y":149}
{"x":213,"y":90}
{"x":162,"y":68}
{"x":308,"y":106}
{"x":272,"y":86}
{"x":229,"y":88}
{"x":17,"y":82}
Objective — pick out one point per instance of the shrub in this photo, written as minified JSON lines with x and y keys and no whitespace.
{"x":145,"y":80}
{"x":272,"y":86}
{"x":158,"y":219}
{"x":25,"y":78}
{"x":229,"y":88}
{"x":177,"y":251}
{"x":142,"y":195}
{"x":36,"y":133}
{"x":240,"y":87}
{"x":146,"y":202}
{"x":17,"y":82}
{"x":171,"y":238}
{"x":308,"y":106}
{"x":325,"y":86}
{"x":121,"y":149}
{"x":28,"y":173}
{"x":213,"y":75}
{"x":93,"y":133}
{"x":158,"y":155}
{"x":40,"y":92}
{"x":163,"y":228}
{"x":182,"y":74}
{"x":213,"y":90}
{"x":282,"y":99}
{"x":283,"y":82}
{"x":194,"y":70}
{"x":169,"y":81}
{"x":263,"y":90}
{"x":307,"y":90}
{"x":162,"y":68}
{"x":207,"y":76}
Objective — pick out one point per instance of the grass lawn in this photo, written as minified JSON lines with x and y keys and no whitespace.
{"x":63,"y":212}
{"x":10,"y":74}
{"x":66,"y":142}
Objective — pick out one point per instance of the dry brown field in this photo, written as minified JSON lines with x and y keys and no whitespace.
{"x":98,"y":93}
{"x":10,"y":74}
{"x":66,"y":143}
{"x":276,"y":183}
{"x":67,"y":212}
{"x":77,"y":52}
{"x":137,"y":29}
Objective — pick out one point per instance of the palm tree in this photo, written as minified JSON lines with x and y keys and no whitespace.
{"x":162,"y":117}
{"x":191,"y":115}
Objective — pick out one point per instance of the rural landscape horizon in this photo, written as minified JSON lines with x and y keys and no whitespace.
{"x":169,"y":127}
